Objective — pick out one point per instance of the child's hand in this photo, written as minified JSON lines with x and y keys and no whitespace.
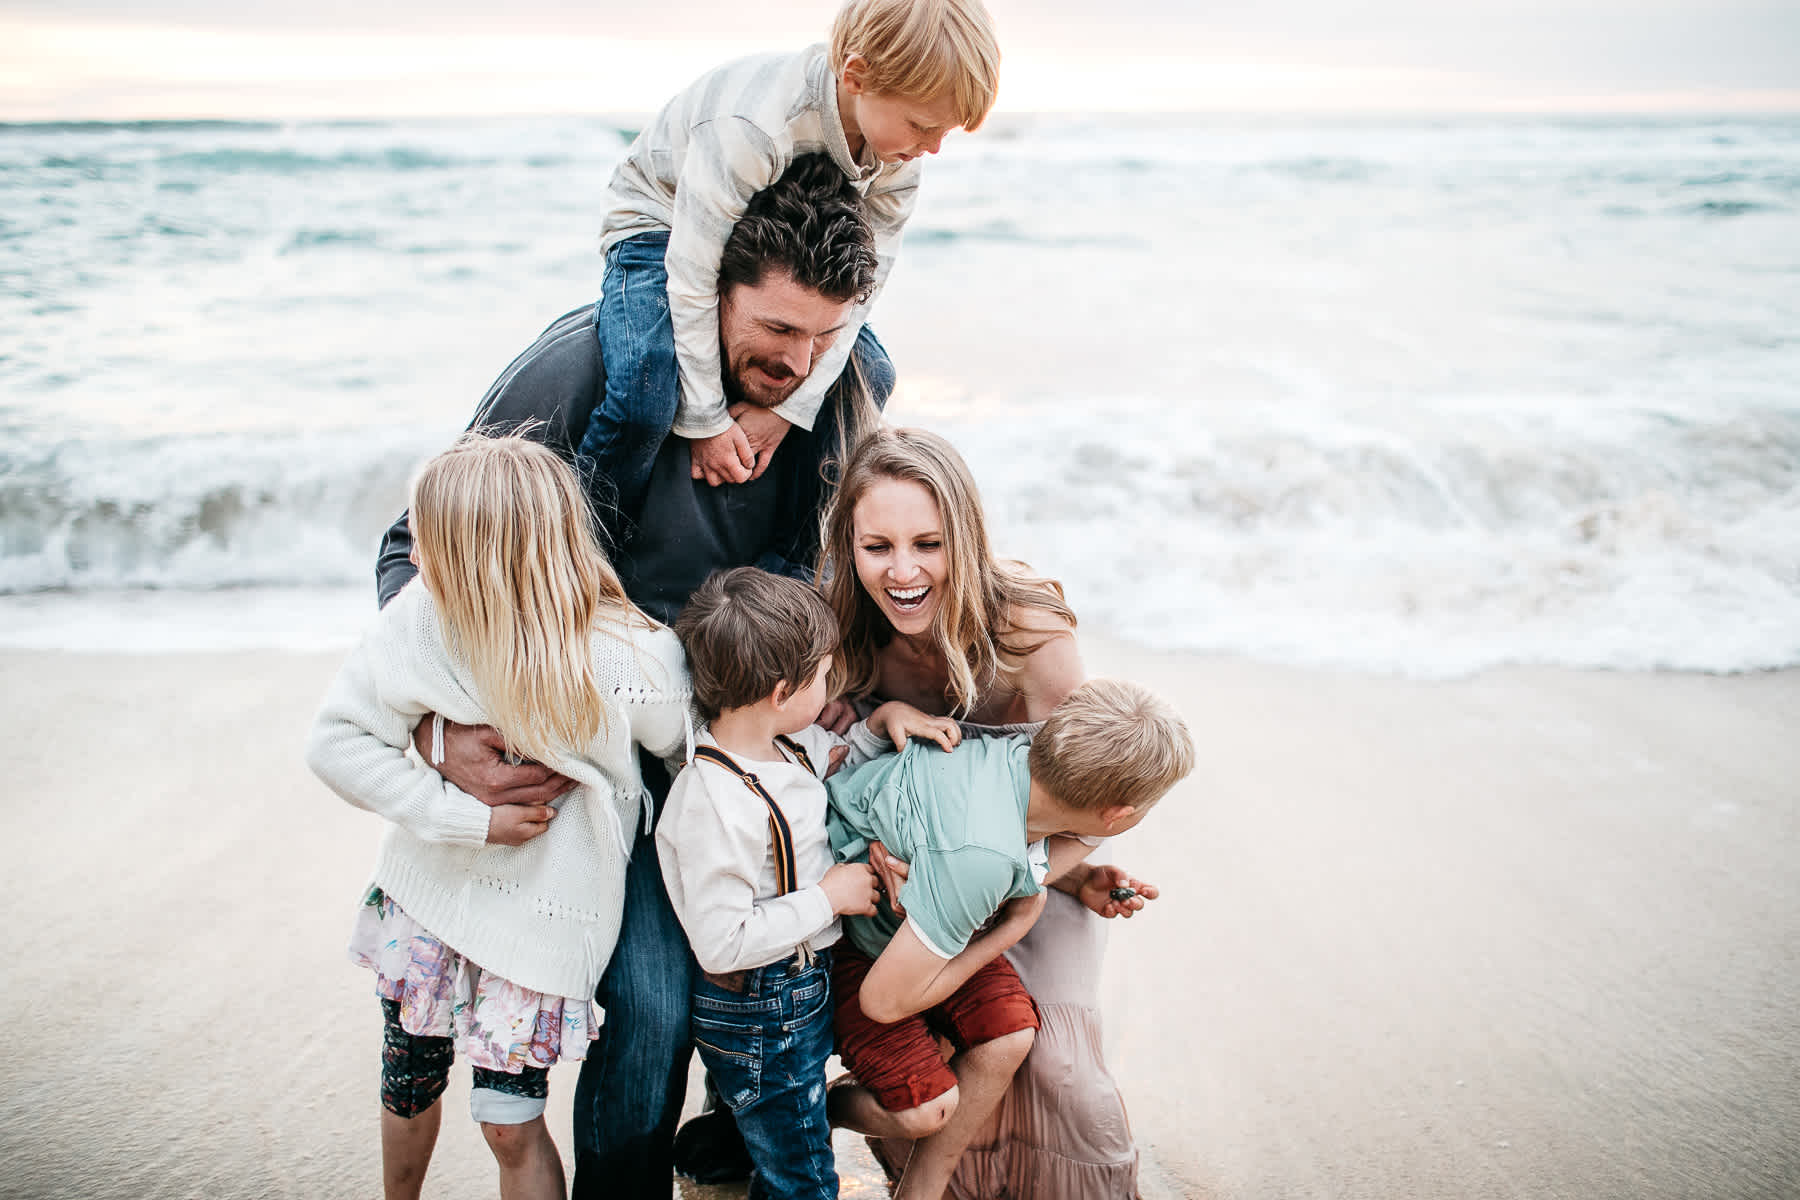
{"x":851,"y":889}
{"x":764,"y":427}
{"x":837,"y":716}
{"x":1102,"y":881}
{"x":722,"y":458}
{"x":897,"y":721}
{"x":516,"y":824}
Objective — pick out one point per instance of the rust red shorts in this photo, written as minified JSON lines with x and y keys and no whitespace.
{"x":900,"y":1063}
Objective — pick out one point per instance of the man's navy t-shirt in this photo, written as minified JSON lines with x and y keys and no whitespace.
{"x":689,"y":529}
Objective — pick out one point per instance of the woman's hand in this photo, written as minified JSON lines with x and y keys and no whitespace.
{"x":896,"y":721}
{"x":892,"y":873}
{"x":1096,"y":891}
{"x":516,"y":824}
{"x":475,"y":761}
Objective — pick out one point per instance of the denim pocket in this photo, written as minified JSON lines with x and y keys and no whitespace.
{"x":733,"y":1053}
{"x":811,"y":1002}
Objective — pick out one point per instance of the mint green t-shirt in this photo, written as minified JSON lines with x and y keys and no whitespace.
{"x":957,"y":817}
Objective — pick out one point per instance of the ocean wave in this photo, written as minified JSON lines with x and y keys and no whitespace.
{"x":1656,"y":542}
{"x":199,"y":512}
{"x":1653,"y":543}
{"x":236,"y":159}
{"x":1728,"y":208}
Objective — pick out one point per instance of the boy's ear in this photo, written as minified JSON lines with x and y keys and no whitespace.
{"x":855,"y":68}
{"x":1113,"y":814}
{"x":781,"y":695}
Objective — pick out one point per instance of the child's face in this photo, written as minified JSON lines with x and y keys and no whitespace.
{"x":899,"y":128}
{"x":804,"y":707}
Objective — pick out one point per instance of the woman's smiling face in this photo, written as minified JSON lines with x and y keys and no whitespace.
{"x":898,"y":536}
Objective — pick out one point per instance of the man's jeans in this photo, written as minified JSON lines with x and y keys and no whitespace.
{"x":637,"y":347}
{"x":766,"y":1048}
{"x":634,"y":1079}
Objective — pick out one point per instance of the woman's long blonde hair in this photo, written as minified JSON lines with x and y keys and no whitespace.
{"x":506,"y":546}
{"x":974,"y":624}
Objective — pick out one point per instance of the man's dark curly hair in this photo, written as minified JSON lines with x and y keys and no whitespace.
{"x":809,"y":225}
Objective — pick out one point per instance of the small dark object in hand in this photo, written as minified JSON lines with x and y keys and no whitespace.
{"x":1123,"y":894}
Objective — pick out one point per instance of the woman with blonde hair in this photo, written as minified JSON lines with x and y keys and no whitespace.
{"x":488,"y":927}
{"x":930,"y":616}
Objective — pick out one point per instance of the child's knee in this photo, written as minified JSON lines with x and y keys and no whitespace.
{"x":1007,"y":1052}
{"x":512,"y":1144}
{"x":928,"y":1117}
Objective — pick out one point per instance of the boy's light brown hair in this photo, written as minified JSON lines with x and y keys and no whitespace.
{"x":1111,"y":743}
{"x":746,"y":630}
{"x":923,"y":49}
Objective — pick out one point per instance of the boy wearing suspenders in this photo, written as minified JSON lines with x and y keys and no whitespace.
{"x":748,"y":863}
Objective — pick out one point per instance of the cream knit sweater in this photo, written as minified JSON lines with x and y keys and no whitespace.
{"x":544,"y":915}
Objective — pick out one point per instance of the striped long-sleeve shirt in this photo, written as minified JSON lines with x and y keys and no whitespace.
{"x":693,"y":171}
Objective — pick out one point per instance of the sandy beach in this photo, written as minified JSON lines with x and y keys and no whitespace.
{"x":1535,"y":933}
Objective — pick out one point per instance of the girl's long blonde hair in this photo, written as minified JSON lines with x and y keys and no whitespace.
{"x":974,"y":625}
{"x":507,"y":549}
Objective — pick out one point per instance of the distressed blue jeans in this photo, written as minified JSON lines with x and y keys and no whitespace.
{"x":766,"y":1048}
{"x":634,"y":1078}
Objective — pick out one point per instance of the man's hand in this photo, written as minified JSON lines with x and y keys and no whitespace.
{"x":897,"y":720}
{"x":764,"y":427}
{"x":851,"y":889}
{"x":837,"y":716}
{"x":1096,"y":891}
{"x":516,"y":824}
{"x":892,"y":872}
{"x":475,"y":761}
{"x":722,"y":458}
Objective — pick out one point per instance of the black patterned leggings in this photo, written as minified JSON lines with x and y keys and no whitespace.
{"x":415,"y":1069}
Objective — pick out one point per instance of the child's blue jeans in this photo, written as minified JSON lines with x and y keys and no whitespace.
{"x":637,"y":348}
{"x":766,"y":1047}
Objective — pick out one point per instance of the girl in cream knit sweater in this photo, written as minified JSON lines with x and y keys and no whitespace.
{"x":488,"y":928}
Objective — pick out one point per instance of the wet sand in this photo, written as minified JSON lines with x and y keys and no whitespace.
{"x":1531,"y":934}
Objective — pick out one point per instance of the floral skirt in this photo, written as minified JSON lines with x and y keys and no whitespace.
{"x":495,"y":1023}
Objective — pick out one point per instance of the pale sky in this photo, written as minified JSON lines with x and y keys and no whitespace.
{"x":112,"y":59}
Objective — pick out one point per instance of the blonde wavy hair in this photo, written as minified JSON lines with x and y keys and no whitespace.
{"x":974,"y":627}
{"x":923,"y":49}
{"x":507,"y":549}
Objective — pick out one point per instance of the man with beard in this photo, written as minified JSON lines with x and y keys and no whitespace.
{"x":795,"y":265}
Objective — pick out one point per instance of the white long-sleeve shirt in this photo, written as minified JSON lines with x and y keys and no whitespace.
{"x":546,"y":914}
{"x":728,"y":135}
{"x":718,"y":857}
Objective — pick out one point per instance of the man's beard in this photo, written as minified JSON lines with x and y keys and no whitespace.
{"x":736,"y":391}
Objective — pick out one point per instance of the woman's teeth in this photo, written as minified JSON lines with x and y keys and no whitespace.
{"x":907,"y":597}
